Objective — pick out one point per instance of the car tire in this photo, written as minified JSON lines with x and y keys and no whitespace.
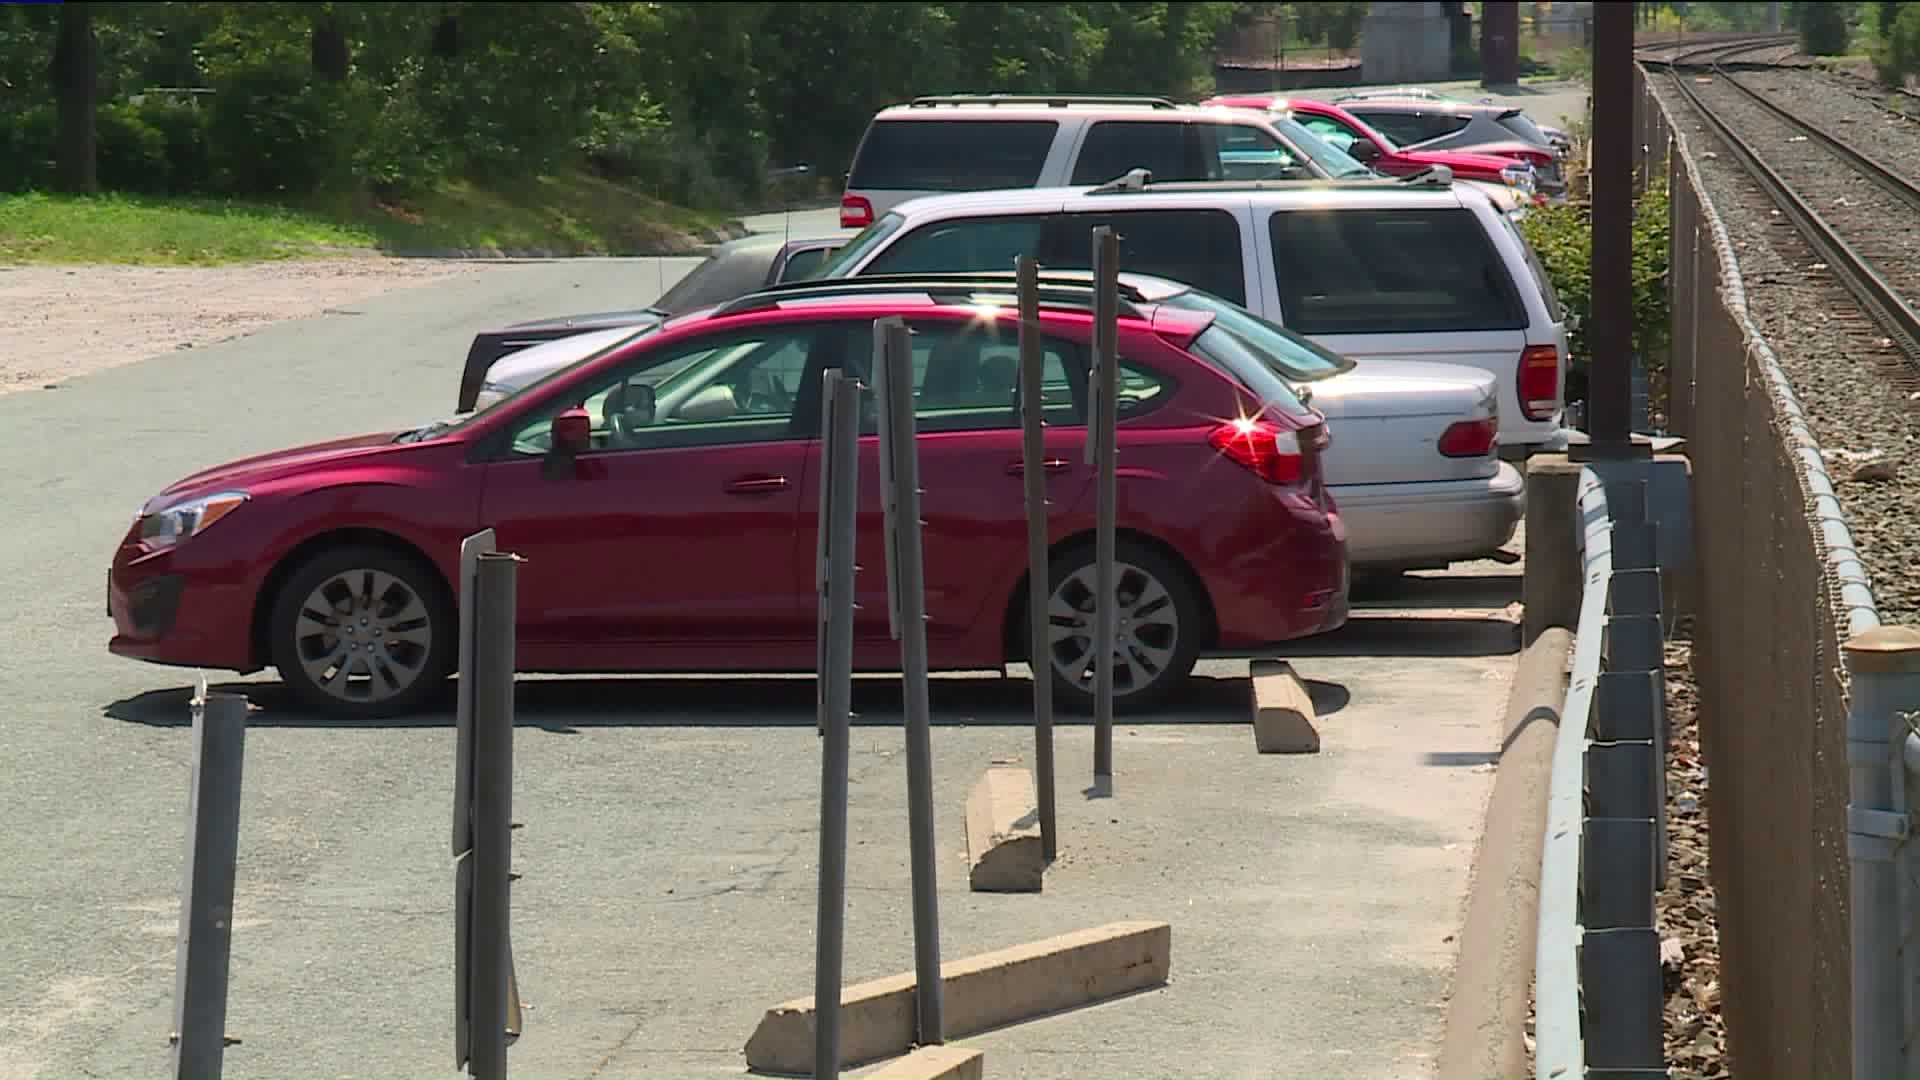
{"x":1163,"y":621}
{"x":390,"y":641}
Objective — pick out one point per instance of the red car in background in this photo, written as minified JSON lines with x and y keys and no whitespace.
{"x":1369,"y":147}
{"x":664,"y":492}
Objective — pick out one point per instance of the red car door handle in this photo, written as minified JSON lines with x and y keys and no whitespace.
{"x":756,"y":485}
{"x":1052,"y":464}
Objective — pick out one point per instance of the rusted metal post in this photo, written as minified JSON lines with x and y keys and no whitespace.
{"x":1611,"y":330}
{"x":1039,"y":584}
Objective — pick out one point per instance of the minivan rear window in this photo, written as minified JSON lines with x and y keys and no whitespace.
{"x":1538,"y":269}
{"x":1391,"y":271}
{"x":951,"y":155}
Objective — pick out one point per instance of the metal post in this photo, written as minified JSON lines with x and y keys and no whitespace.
{"x":1105,"y":389}
{"x":470,"y":550}
{"x":205,"y":943}
{"x":1610,"y":332}
{"x":1883,"y":665}
{"x":1039,"y":579}
{"x":900,"y":465}
{"x":496,"y":578}
{"x":834,"y":577}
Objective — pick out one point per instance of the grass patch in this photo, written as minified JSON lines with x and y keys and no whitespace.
{"x":571,"y":213}
{"x":126,"y":229}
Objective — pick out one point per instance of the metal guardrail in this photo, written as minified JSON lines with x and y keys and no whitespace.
{"x":1597,"y":981}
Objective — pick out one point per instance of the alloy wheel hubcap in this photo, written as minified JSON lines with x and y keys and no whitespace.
{"x":1146,"y":629}
{"x":363,"y":636}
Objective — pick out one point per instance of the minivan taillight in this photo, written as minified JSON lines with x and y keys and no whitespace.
{"x":1271,"y":453}
{"x":856,"y":211}
{"x":1539,"y":381}
{"x":1470,"y":438}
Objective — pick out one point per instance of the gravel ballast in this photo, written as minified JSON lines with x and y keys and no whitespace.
{"x":1846,"y":372}
{"x":1853,"y":384}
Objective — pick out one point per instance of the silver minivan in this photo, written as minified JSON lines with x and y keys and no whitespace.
{"x":1371,"y":269}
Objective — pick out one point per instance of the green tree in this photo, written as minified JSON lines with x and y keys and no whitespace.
{"x":73,"y":74}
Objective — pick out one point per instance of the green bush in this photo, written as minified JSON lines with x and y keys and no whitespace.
{"x":26,"y":150}
{"x":1823,"y":28}
{"x":1898,"y":55}
{"x":274,"y":131}
{"x":642,"y":146}
{"x":182,"y":124}
{"x":398,"y":151}
{"x":132,"y":154}
{"x":1563,"y":237}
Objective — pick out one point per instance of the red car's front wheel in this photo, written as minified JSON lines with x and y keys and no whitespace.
{"x":363,"y":632}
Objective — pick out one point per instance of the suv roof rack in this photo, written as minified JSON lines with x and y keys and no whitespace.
{"x":1070,"y":290}
{"x":1141,"y":180}
{"x":1056,"y":101}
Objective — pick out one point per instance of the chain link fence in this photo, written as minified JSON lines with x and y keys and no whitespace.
{"x":1776,"y":590}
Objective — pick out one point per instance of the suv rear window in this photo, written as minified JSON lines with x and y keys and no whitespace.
{"x":1391,"y":271}
{"x":1522,"y":125}
{"x":1112,"y":147}
{"x":951,"y":155}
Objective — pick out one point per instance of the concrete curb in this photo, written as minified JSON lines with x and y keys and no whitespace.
{"x":934,"y":1063}
{"x":978,"y":993}
{"x":1484,"y":1036}
{"x":1283,"y":716}
{"x":1004,"y":853}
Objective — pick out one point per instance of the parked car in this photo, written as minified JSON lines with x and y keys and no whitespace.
{"x":733,"y":269}
{"x":1483,"y":129}
{"x":1413,"y":462}
{"x":1353,"y":137}
{"x":978,"y":142}
{"x":1370,"y":269}
{"x":663,"y":492}
{"x":1556,"y":136}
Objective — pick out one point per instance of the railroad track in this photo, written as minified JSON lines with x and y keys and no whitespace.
{"x":1696,"y":51}
{"x":1856,"y":235}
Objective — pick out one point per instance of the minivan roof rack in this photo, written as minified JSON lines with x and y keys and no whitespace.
{"x":1059,"y":290}
{"x":1057,"y":101}
{"x":1141,"y":180}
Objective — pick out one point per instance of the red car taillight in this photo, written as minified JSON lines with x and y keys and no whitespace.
{"x":1539,"y":381}
{"x":1470,"y":438}
{"x":1268,"y":451}
{"x":856,"y":212}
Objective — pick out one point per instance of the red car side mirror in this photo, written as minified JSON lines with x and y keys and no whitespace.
{"x":572,"y":431}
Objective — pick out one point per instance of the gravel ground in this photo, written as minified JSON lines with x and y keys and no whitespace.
{"x":1851,"y":379}
{"x":58,"y":322}
{"x":1879,"y":225}
{"x":1689,"y":932}
{"x":1847,"y":111}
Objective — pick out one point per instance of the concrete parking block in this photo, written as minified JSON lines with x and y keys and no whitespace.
{"x":934,"y":1063}
{"x":1283,"y":718}
{"x":1004,"y":852}
{"x":979,"y":993}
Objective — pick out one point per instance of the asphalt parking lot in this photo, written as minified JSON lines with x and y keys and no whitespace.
{"x":669,"y":847}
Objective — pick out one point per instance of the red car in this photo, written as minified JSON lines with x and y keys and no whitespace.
{"x":1374,"y":150}
{"x":664,"y":494}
